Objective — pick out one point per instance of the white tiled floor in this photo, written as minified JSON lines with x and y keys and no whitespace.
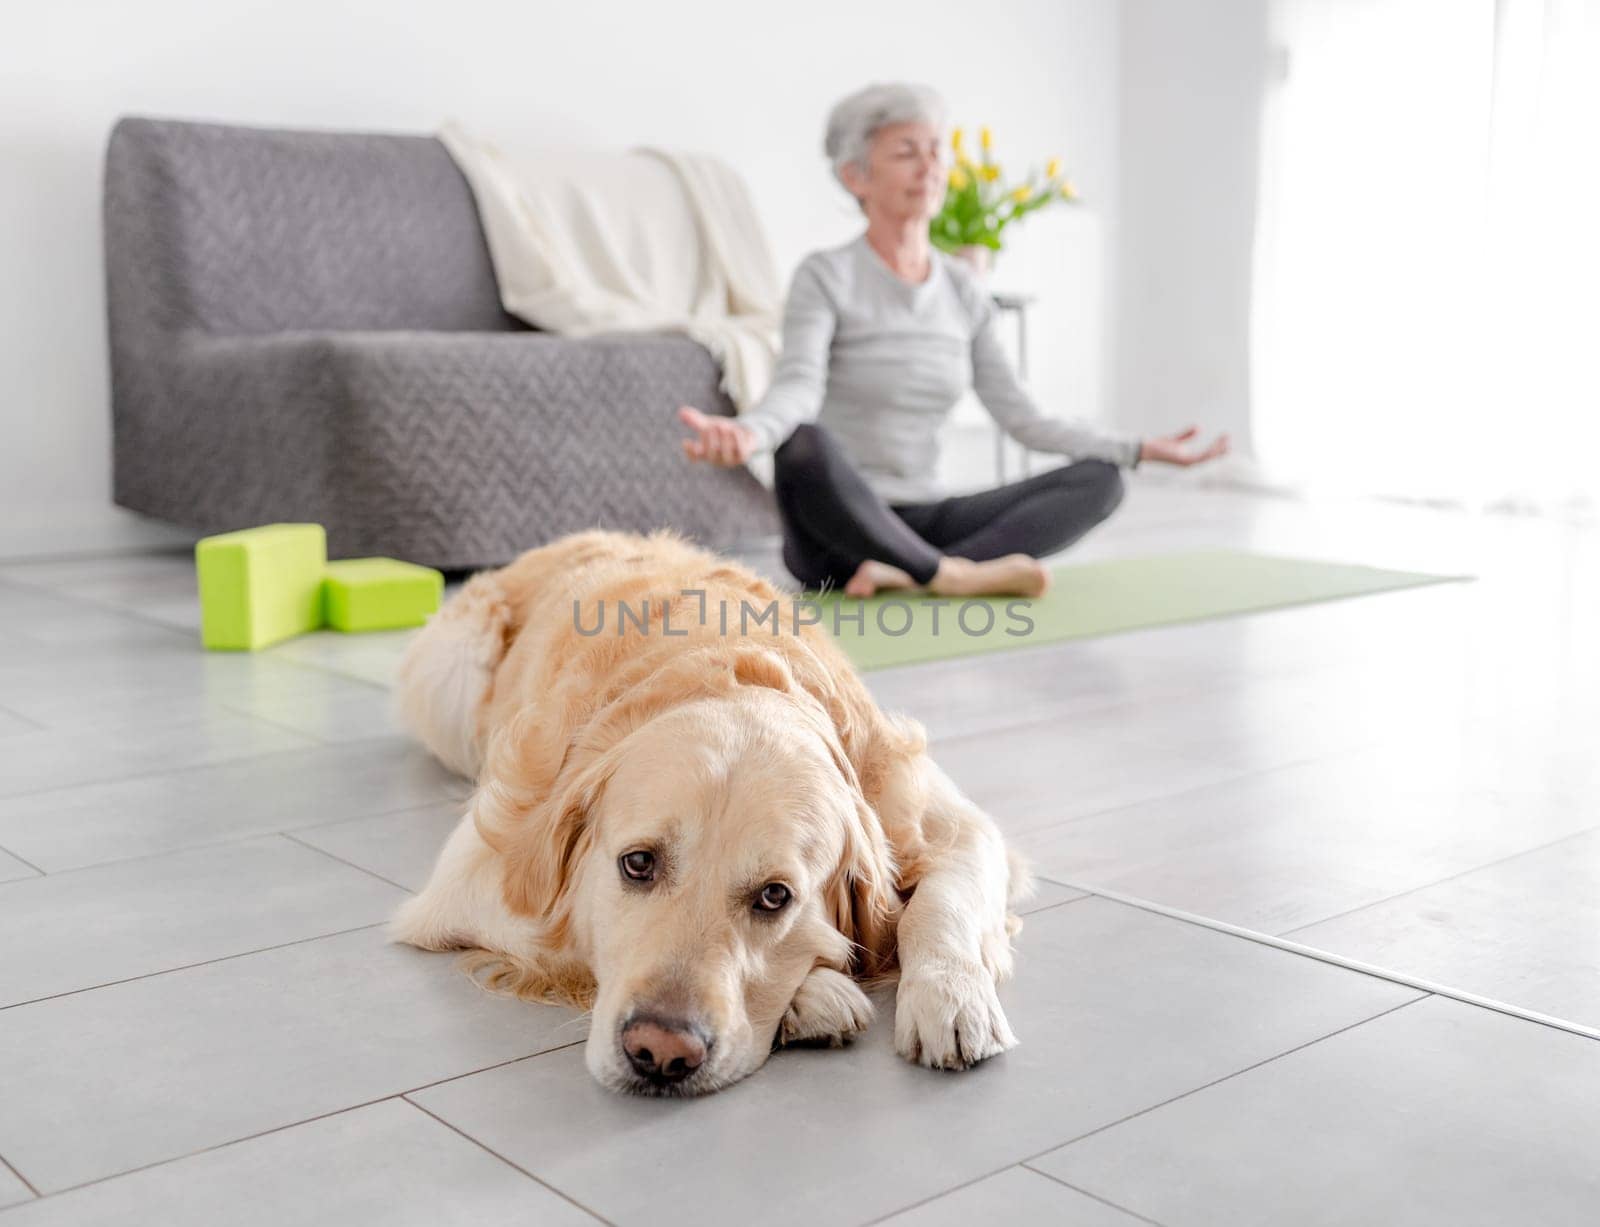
{"x":200,"y":1021}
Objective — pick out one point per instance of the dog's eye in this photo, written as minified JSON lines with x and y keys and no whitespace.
{"x":639,"y":866}
{"x":774,"y":897}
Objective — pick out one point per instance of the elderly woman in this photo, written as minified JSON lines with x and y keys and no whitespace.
{"x":881,"y":337}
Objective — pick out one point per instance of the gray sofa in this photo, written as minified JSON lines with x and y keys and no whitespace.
{"x":305,"y":326}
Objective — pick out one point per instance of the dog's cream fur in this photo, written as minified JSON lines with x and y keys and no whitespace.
{"x":736,"y":760}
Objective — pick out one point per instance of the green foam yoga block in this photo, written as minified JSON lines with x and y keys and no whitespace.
{"x":260,"y":585}
{"x":379,"y":594}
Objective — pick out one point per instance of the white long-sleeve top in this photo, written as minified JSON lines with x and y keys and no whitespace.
{"x":881,"y":362}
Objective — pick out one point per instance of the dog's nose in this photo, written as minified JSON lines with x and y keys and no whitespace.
{"x":663,"y":1052}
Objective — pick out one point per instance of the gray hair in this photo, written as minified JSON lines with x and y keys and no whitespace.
{"x":853,"y":120}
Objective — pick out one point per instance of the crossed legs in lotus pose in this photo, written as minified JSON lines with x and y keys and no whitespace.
{"x":838,"y":533}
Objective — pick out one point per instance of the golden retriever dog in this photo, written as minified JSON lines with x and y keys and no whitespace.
{"x":698,"y":823}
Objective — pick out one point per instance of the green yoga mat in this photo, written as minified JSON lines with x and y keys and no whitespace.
{"x":1096,"y":598}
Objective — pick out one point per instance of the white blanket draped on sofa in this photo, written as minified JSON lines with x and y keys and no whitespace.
{"x":649,"y":240}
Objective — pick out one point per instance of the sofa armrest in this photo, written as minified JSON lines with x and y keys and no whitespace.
{"x":221,"y":432}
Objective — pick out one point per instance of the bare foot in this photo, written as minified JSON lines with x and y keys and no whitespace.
{"x":872,"y":575}
{"x":1013,"y":575}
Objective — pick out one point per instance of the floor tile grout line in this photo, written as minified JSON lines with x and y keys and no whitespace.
{"x":1545,"y":847}
{"x":1104,"y":1201}
{"x":130,"y":552}
{"x":231,"y":842}
{"x":1239,"y":771}
{"x":1051,"y":907}
{"x":98,"y":553}
{"x":1050,"y":713}
{"x":516,"y":1167}
{"x":250,"y":1137}
{"x":228,"y":707}
{"x":312,"y":744}
{"x":26,"y":1183}
{"x":73,"y":598}
{"x":333,"y":671}
{"x":167,"y":971}
{"x":243,"y":713}
{"x":371,"y":873}
{"x":527,"y":1056}
{"x":215,"y":1146}
{"x":1337,"y":960}
{"x":231,"y":760}
{"x":315,"y":740}
{"x":999,"y":1171}
{"x":463,"y":802}
{"x":16,"y":715}
{"x":21,"y":860}
{"x":1199,"y":688}
{"x":1243,"y":774}
{"x":1228,"y":1077}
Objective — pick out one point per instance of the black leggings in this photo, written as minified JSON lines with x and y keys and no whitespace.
{"x":833,"y":521}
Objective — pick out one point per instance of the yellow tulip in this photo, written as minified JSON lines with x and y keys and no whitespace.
{"x":967,"y":164}
{"x":1022,"y":193}
{"x":1053,"y":168}
{"x":986,"y":139}
{"x":990,"y":172}
{"x":1068,"y":191}
{"x":958,"y":178}
{"x":955,"y":140}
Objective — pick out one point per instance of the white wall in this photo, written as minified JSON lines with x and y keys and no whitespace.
{"x":1190,"y":107}
{"x":749,"y":82}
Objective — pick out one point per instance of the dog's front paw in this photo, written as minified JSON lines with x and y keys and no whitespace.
{"x":949,"y":1018}
{"x":829,"y":1009}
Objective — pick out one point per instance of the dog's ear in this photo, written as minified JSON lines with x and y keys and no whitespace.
{"x":543,"y":845}
{"x":552,"y":844}
{"x":861,"y":895}
{"x":883,"y":756}
{"x":535,"y":812}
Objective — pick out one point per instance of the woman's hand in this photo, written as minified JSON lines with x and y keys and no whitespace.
{"x":1171,"y":449}
{"x":720,"y":440}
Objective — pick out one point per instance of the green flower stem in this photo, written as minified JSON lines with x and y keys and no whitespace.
{"x":977,"y":213}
